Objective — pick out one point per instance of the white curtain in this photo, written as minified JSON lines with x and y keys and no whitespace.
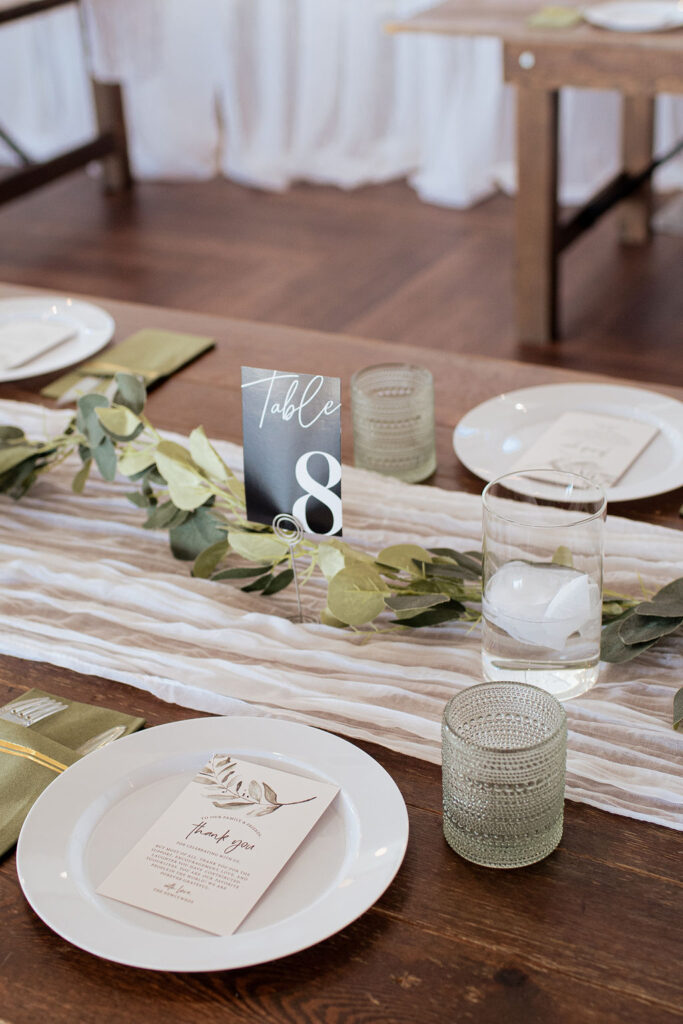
{"x":272,"y":91}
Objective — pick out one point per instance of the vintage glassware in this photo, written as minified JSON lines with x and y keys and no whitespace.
{"x":393,"y":420}
{"x":503,"y":753}
{"x":542,"y":581}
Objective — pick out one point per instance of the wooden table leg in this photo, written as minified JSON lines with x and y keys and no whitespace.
{"x":536,"y":214}
{"x":638,"y":115}
{"x":110,"y":118}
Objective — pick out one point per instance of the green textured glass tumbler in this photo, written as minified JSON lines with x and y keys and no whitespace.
{"x":504,"y":750}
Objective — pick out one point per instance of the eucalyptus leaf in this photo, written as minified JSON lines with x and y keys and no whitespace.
{"x":79,"y":481}
{"x":672,"y":591}
{"x":86,"y":418}
{"x":9,"y":434}
{"x":330,"y":559}
{"x":165,"y":517}
{"x":205,"y":563}
{"x":260,"y":584}
{"x":414,"y":602}
{"x":471,"y":560}
{"x":12,"y":456}
{"x":614,"y":650}
{"x":356,"y":595}
{"x":435,"y":616}
{"x":257,"y":547}
{"x":403,"y":556}
{"x":437,"y":570}
{"x":279,"y":582}
{"x":206,"y":456}
{"x":105,"y":457}
{"x":242,"y":572}
{"x":199,"y":531}
{"x":637,"y":628}
{"x":130,"y":392}
{"x":186,"y":487}
{"x":120,"y":422}
{"x":139,"y":500}
{"x":661,"y":609}
{"x":328,"y":619}
{"x":678,"y":708}
{"x":133,"y":462}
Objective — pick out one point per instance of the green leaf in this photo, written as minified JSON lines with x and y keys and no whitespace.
{"x":206,"y":562}
{"x":614,"y":650}
{"x":11,"y":434}
{"x":437,"y":570}
{"x":279,"y":582}
{"x":241,"y":572}
{"x":81,"y":477}
{"x":257,"y":547}
{"x":140,"y":500}
{"x":435,"y":616}
{"x":638,"y":628}
{"x":330,"y":559}
{"x":356,"y":595}
{"x":661,"y":609}
{"x":403,"y":556}
{"x":200,"y":530}
{"x":207,"y":458}
{"x":105,"y":458}
{"x":678,"y":708}
{"x":14,"y":455}
{"x":133,"y":462}
{"x":186,"y":487}
{"x":86,"y":418}
{"x":563,"y":556}
{"x":413,"y":603}
{"x":165,"y":517}
{"x":119,"y":422}
{"x":471,"y":560}
{"x":260,"y":583}
{"x":130,"y":392}
{"x":328,"y":619}
{"x":672,"y":591}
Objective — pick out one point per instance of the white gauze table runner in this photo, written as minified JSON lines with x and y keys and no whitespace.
{"x":85,"y":587}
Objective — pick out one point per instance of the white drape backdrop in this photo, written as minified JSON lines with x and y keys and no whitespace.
{"x":267,"y":92}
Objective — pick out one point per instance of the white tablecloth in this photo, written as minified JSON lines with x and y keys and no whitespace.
{"x":82,"y":585}
{"x":272,"y":91}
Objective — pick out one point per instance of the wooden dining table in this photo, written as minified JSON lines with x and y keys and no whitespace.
{"x":591,"y":934}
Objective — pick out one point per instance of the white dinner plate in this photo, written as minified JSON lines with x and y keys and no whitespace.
{"x":89,"y":817}
{"x":635,"y":15}
{"x":491,"y":438}
{"x":93,"y":328}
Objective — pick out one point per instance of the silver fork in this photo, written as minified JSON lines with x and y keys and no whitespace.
{"x":28,"y":712}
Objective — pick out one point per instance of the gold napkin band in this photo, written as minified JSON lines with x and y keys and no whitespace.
{"x":18,"y":750}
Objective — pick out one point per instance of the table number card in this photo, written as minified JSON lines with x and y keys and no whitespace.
{"x":213,"y":853}
{"x":593,"y":445}
{"x":292,"y":448}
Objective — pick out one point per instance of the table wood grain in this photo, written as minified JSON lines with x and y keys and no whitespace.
{"x":592,"y":934}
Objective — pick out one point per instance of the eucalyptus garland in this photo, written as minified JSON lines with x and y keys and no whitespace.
{"x":191,"y":493}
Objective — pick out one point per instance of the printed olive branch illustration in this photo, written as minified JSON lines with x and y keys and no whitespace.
{"x":221,"y":774}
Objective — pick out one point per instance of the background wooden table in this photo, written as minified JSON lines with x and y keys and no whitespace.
{"x":540,"y":62}
{"x":592,"y":934}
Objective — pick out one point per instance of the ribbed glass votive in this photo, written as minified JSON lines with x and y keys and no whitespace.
{"x":392,"y":407}
{"x":504,"y":752}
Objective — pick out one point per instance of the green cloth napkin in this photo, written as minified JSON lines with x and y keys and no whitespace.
{"x":31,"y":757}
{"x":555,"y":17}
{"x":150,"y":354}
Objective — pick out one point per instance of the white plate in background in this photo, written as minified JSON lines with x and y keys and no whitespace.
{"x":635,"y":15}
{"x":491,"y":438}
{"x":92,"y":327}
{"x":90,"y":816}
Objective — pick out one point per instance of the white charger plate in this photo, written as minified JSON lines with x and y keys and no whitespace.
{"x":635,"y":15}
{"x":93,"y":329}
{"x":491,"y":438}
{"x":99,"y":808}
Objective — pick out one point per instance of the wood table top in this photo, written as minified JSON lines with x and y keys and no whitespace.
{"x":592,"y":934}
{"x":509,"y":21}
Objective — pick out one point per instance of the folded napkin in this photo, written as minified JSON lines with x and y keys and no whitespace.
{"x":150,"y":354}
{"x":22,"y":341}
{"x":32,"y":756}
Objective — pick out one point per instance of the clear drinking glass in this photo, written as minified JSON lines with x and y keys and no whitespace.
{"x":392,"y":406}
{"x":504,"y":749}
{"x":542,"y":582}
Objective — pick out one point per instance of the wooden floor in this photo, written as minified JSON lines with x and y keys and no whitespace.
{"x":375,"y":262}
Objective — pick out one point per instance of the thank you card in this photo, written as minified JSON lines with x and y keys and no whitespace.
{"x":213,"y":853}
{"x":292,"y":448}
